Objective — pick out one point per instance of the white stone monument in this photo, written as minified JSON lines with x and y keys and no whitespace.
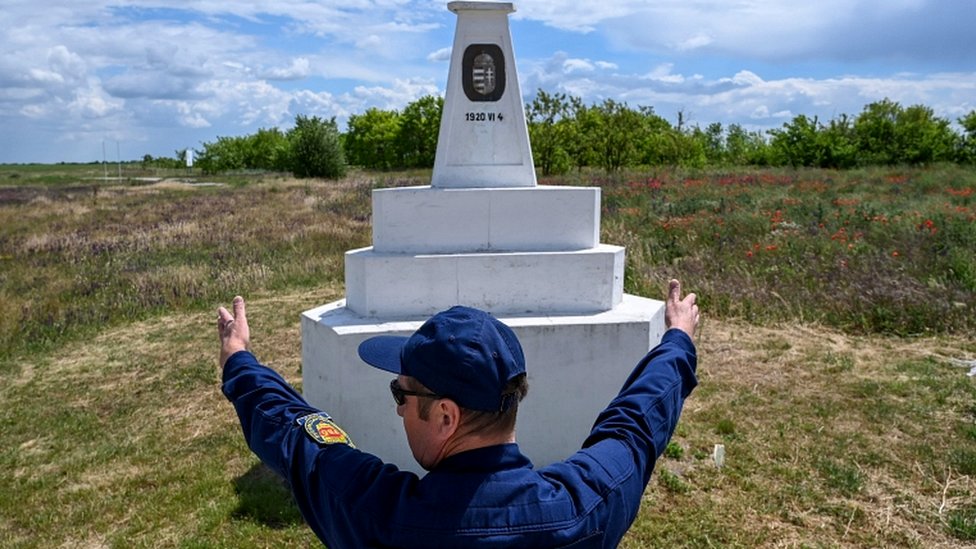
{"x":483,"y":234}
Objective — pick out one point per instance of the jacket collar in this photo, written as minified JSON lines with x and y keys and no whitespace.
{"x":485,"y":460}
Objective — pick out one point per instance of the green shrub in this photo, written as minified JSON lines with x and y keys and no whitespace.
{"x":316,"y":150}
{"x":674,"y":451}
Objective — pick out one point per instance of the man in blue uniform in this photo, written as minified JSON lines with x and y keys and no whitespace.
{"x":458,"y":382}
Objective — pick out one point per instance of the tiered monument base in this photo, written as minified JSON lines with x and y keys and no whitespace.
{"x":530,"y":256}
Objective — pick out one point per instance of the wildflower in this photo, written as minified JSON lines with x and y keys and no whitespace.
{"x":927,"y":225}
{"x":771,"y":248}
{"x":895,"y":253}
{"x":749,"y":253}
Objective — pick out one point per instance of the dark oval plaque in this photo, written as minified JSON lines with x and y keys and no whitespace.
{"x":483,"y":72}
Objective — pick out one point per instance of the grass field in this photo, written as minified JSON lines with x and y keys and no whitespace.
{"x":840,"y":309}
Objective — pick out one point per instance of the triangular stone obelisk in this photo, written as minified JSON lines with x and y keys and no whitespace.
{"x":483,"y":140}
{"x":483,"y":234}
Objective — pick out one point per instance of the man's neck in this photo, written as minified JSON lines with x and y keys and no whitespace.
{"x":474,"y":441}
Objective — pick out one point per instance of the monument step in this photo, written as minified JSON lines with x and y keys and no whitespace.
{"x":387,"y":285}
{"x":422,"y":220}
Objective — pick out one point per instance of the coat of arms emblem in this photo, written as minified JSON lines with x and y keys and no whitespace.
{"x":483,"y":72}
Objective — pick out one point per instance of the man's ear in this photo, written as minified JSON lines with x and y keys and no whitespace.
{"x":448,"y":417}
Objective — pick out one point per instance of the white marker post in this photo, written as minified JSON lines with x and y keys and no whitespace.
{"x":483,"y":139}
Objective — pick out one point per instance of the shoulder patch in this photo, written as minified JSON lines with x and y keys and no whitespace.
{"x":323,"y":430}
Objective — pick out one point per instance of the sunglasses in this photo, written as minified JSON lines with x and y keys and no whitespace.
{"x":400,"y":394}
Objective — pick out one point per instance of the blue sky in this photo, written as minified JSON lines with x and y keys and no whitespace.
{"x":161,"y":75}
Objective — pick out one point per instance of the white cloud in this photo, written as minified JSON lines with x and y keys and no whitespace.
{"x":575,"y":15}
{"x":577,"y":65}
{"x":34,"y":111}
{"x":443,"y":54}
{"x":191,"y":119}
{"x":588,"y":88}
{"x":662,"y":73}
{"x":369,"y":42}
{"x":66,"y":63}
{"x":402,"y":91}
{"x":746,"y":78}
{"x":323,"y":104}
{"x":571,"y":65}
{"x":93,"y":102}
{"x":42,"y":77}
{"x":694,"y":42}
{"x":298,"y":69}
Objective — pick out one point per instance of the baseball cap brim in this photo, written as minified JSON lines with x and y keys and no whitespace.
{"x":383,"y":352}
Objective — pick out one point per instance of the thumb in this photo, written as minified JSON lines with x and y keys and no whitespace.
{"x":239,"y":314}
{"x":674,"y":290}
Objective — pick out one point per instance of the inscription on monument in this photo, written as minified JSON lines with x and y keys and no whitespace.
{"x":483,"y":117}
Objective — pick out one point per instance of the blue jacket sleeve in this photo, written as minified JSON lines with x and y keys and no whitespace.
{"x":267,"y":407}
{"x":617,"y":458}
{"x":645,"y":412}
{"x":332,"y":503}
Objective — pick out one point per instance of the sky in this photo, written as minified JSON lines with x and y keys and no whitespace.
{"x":153,"y":77}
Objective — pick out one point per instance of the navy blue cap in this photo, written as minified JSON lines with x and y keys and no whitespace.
{"x":462,"y":353}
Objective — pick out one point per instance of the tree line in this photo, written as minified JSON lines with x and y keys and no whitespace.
{"x":312,"y":148}
{"x":567,"y":133}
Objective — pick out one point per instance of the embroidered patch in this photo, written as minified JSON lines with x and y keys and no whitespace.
{"x":323,"y":430}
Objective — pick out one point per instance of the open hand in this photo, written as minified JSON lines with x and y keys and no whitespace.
{"x":680,"y":313}
{"x":233,"y":331}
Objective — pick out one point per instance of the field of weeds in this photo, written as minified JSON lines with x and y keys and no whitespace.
{"x":839,"y":316}
{"x":869,"y":251}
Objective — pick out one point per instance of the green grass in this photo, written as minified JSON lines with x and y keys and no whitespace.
{"x":674,"y":451}
{"x":962,"y":523}
{"x":824,"y":362}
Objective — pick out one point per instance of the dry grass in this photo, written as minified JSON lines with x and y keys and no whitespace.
{"x":114,"y":431}
{"x":71,"y":261}
{"x":156,"y":429}
{"x":814,"y":458}
{"x":125,"y":439}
